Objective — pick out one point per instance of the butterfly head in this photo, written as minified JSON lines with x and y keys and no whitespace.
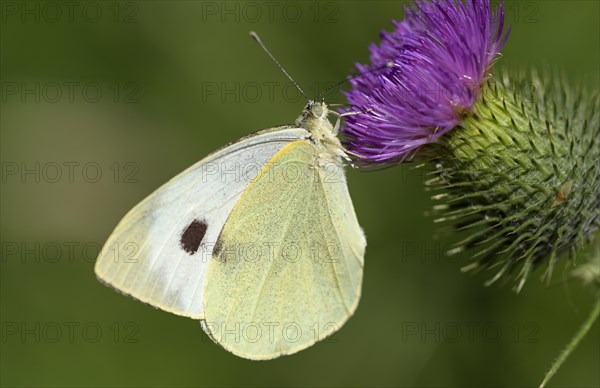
{"x":314,"y":118}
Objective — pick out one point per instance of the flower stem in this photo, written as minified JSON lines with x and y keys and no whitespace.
{"x":587,"y":325}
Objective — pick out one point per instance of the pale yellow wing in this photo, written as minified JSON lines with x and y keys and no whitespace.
{"x":288,"y":264}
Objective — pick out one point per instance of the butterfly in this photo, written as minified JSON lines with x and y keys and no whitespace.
{"x":259,"y":241}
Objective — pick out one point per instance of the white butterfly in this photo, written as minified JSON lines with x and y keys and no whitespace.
{"x":259,"y":240}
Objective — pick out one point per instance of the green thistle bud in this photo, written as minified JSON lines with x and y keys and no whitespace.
{"x":521,"y":175}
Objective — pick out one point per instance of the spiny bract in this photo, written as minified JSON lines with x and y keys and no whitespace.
{"x":522,"y":175}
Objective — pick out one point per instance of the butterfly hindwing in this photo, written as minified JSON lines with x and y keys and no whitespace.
{"x":287,"y":268}
{"x":159,"y":252}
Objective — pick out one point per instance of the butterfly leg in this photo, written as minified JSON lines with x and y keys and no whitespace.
{"x":338,"y":121}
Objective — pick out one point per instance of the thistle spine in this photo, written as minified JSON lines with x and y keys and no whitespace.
{"x":522,"y":174}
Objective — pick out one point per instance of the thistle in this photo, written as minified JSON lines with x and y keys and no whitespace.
{"x":516,"y":159}
{"x":437,"y":58}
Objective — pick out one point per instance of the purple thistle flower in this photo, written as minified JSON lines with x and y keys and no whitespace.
{"x":438,"y":60}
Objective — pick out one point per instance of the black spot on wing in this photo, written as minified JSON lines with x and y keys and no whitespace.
{"x":192,"y":236}
{"x":216,"y":253}
{"x":218,"y":247}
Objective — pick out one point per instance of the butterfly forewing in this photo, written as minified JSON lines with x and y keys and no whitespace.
{"x":160,"y":251}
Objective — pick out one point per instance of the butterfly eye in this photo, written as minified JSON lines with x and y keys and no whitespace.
{"x":318,"y":110}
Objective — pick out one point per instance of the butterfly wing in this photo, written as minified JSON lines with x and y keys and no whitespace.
{"x":287,"y":268}
{"x":159,"y":252}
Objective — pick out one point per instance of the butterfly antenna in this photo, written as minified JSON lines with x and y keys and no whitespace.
{"x":387,"y":65}
{"x":266,"y":50}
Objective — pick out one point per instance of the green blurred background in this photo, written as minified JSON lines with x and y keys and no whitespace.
{"x":178,"y":79}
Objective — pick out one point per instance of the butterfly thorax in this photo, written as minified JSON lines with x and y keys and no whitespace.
{"x":314,"y":119}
